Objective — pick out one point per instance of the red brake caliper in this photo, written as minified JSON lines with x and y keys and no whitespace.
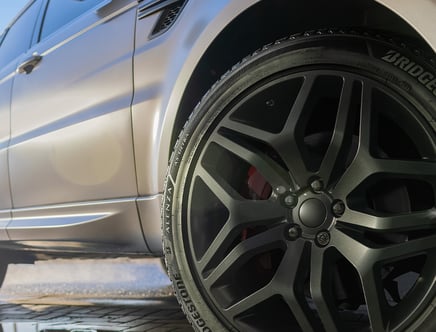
{"x":258,"y":189}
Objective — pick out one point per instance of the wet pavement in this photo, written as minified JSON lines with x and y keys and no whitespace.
{"x":89,"y":296}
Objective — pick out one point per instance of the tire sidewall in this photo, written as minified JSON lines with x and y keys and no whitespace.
{"x":369,"y":56}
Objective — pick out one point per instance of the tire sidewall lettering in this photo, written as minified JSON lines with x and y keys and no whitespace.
{"x":424,"y":77}
{"x":190,"y":307}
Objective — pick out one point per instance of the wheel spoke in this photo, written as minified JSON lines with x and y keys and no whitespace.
{"x":364,"y":257}
{"x":354,"y":251}
{"x":243,"y":214}
{"x":342,"y":134}
{"x":222,"y":240}
{"x":289,"y":281}
{"x":406,"y":168}
{"x":373,"y":292}
{"x":364,"y":166}
{"x":411,"y":221}
{"x":355,"y":174}
{"x":286,"y":142}
{"x":365,"y":260}
{"x":247,"y":249}
{"x":272,"y":172}
{"x":366,"y":114}
{"x":408,"y":248}
{"x":222,"y":190}
{"x":250,"y":301}
{"x":360,"y":168}
{"x":250,"y":212}
{"x":319,"y":287}
{"x":249,"y":131}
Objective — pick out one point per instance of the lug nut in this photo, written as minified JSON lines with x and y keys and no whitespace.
{"x":322,"y":238}
{"x":280,"y":190}
{"x":294,"y":232}
{"x":285,"y":197}
{"x":290,"y":201}
{"x":317,"y":185}
{"x":338,"y":209}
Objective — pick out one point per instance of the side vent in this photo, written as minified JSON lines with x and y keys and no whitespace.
{"x":169,"y":12}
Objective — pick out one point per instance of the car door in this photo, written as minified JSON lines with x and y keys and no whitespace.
{"x":71,"y":137}
{"x":13,"y":43}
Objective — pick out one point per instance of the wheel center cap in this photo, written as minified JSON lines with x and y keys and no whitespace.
{"x":312,"y":213}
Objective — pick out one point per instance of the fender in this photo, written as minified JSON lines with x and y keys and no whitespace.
{"x":163,"y":67}
{"x":421,"y":18}
{"x":226,"y":14}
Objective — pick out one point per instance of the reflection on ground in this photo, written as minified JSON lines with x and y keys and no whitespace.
{"x":160,"y":315}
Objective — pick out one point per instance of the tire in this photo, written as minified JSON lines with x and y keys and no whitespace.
{"x":301,"y":193}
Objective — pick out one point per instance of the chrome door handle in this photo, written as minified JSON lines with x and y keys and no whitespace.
{"x":28,"y":65}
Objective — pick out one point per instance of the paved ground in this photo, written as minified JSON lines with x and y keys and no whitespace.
{"x":97,"y":278}
{"x":89,"y":296}
{"x":161,"y":315}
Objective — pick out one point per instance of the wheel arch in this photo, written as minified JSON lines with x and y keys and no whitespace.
{"x":246,"y":32}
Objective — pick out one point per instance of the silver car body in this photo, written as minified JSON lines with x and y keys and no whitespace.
{"x":85,"y":138}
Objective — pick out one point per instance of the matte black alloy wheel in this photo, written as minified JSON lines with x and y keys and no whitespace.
{"x":308,"y":203}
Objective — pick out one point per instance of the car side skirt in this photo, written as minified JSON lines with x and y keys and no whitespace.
{"x":109,"y":227}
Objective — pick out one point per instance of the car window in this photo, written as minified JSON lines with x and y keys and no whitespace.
{"x":61,"y":12}
{"x":19,"y":36}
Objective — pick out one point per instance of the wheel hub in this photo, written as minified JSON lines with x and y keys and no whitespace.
{"x":312,"y":213}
